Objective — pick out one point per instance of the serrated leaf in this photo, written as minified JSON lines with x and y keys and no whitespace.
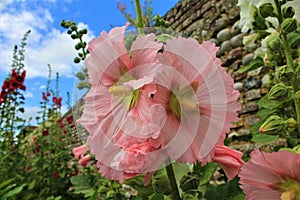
{"x":263,"y":138}
{"x":254,"y":64}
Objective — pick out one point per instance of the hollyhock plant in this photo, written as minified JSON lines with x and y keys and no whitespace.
{"x":271,"y":176}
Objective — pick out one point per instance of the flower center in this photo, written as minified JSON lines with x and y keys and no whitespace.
{"x":290,"y":189}
{"x":185,"y":103}
{"x":131,"y":96}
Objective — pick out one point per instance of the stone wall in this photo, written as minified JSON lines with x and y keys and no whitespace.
{"x":218,"y":21}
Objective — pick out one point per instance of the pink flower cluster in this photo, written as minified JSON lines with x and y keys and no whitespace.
{"x":157,"y":102}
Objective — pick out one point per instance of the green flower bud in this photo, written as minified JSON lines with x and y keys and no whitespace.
{"x":76,"y":60}
{"x":278,"y":92}
{"x":288,"y":25}
{"x":78,"y":46}
{"x":291,"y":123}
{"x":274,"y":43}
{"x":272,"y":125}
{"x":284,"y":73}
{"x":189,"y":182}
{"x":161,"y":185}
{"x":288,"y":12}
{"x":266,"y":10}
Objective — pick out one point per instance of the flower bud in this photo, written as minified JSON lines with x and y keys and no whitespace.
{"x":274,"y":42}
{"x":266,"y":10}
{"x":291,"y":123}
{"x":278,"y":92}
{"x":284,"y":73}
{"x":288,"y":12}
{"x":272,"y":125}
{"x":189,"y":182}
{"x":288,"y":25}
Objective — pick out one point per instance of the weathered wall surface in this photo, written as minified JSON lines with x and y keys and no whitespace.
{"x":218,"y":21}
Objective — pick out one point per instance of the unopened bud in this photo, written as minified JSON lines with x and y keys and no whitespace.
{"x":291,"y":123}
{"x":274,"y":43}
{"x":288,"y":25}
{"x":288,"y":12}
{"x":189,"y":182}
{"x":278,"y":92}
{"x":266,"y":10}
{"x":272,"y":125}
{"x":284,"y":73}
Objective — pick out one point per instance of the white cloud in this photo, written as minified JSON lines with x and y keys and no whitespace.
{"x":42,"y":87}
{"x":4,"y":3}
{"x":45,"y":44}
{"x":28,"y":95}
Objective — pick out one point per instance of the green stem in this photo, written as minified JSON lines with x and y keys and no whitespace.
{"x":173,"y":184}
{"x":297,"y":105}
{"x":139,"y":16}
{"x":290,"y":63}
{"x":286,"y":46}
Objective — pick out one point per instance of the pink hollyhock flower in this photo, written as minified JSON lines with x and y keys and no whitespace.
{"x":80,"y":151}
{"x":229,"y":159}
{"x":199,"y":98}
{"x":271,"y":176}
{"x":119,"y":104}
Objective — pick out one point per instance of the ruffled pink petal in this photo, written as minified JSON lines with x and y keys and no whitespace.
{"x":144,"y":50}
{"x":108,"y":54}
{"x":229,"y":159}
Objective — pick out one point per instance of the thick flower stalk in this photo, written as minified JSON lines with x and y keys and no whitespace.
{"x":271,"y":176}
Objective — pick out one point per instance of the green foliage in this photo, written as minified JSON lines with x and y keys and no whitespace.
{"x":228,"y":191}
{"x":254,"y":64}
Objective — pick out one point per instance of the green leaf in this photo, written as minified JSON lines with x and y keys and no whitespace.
{"x":6,"y":183}
{"x":14,"y":191}
{"x":254,"y":64}
{"x":81,"y":76}
{"x":83,"y":84}
{"x":228,"y":191}
{"x":137,"y":184}
{"x":264,"y":113}
{"x":83,"y":183}
{"x":181,"y":170}
{"x":156,"y":196}
{"x":264,"y":102}
{"x":205,"y":172}
{"x":263,"y":138}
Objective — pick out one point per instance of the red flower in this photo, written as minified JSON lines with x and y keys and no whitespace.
{"x":27,"y":168}
{"x":45,"y":133}
{"x":56,"y":174}
{"x":44,"y":96}
{"x":57,"y":101}
{"x":23,"y":87}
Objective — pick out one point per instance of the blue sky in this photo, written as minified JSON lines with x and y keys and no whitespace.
{"x":48,"y":43}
